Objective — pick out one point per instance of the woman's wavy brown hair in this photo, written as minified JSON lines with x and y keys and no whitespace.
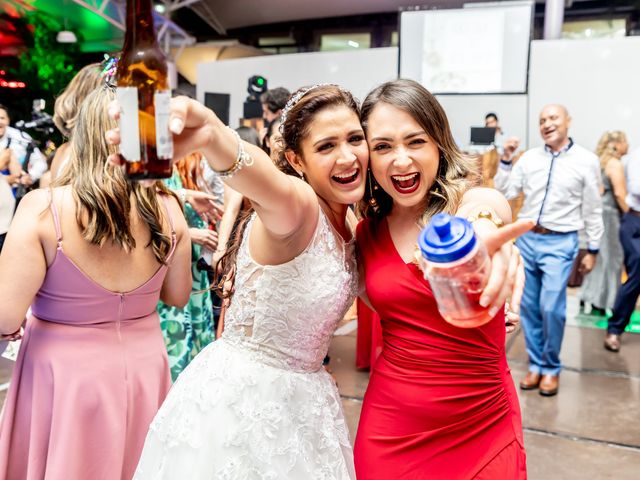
{"x":190,"y":170}
{"x":102,"y":193}
{"x":294,"y":130}
{"x":67,"y":106}
{"x":456,"y":171}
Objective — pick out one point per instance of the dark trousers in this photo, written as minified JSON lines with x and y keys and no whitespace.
{"x":629,"y":291}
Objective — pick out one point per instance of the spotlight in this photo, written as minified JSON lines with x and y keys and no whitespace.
{"x":257,"y":86}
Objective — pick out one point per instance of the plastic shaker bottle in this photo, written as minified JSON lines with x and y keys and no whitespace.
{"x":456,"y":264}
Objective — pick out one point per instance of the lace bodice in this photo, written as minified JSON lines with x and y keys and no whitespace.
{"x":286,"y":314}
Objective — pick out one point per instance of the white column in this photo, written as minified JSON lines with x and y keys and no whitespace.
{"x":553,"y":18}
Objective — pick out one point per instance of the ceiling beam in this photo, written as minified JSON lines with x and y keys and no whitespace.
{"x":206,"y":13}
{"x":177,"y":4}
{"x":99,"y":10}
{"x":169,"y":33}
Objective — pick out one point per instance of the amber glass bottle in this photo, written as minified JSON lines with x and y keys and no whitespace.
{"x":143,"y":94}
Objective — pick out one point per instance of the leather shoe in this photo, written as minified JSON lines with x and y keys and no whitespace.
{"x":530,"y":381}
{"x":612,"y":342}
{"x":549,"y":385}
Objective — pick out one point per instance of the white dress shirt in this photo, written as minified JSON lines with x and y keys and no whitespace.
{"x":19,"y":142}
{"x":7,"y":205}
{"x":632,"y":172}
{"x":573,"y":197}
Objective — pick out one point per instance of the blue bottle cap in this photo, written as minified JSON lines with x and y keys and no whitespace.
{"x":446,"y":239}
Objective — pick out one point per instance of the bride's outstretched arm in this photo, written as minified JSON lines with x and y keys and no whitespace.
{"x":284,"y":203}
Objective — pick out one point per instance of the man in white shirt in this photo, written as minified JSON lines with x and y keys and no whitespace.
{"x":628,"y":293}
{"x":19,"y":142}
{"x":560,"y":182}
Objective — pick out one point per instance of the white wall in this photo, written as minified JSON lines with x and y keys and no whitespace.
{"x":597,"y":80}
{"x":358,"y":71}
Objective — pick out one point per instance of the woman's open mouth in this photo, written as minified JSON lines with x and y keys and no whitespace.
{"x":406,"y":183}
{"x":346,"y":178}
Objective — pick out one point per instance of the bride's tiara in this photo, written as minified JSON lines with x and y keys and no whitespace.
{"x":296,"y":98}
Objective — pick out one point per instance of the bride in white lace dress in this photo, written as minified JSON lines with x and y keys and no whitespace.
{"x":257,"y":403}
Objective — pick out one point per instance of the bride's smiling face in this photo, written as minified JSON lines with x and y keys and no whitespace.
{"x":334,"y":155}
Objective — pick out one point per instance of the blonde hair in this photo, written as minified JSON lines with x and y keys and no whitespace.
{"x":67,"y":106}
{"x":606,"y":149}
{"x":102,"y":192}
{"x":456,"y":171}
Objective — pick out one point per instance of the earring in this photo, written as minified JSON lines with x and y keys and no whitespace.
{"x":373,"y":186}
{"x":436,"y":192}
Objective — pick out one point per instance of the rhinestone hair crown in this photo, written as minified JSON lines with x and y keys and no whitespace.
{"x":295,"y":99}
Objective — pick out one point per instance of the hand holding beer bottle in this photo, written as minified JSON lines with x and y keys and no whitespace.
{"x":144,"y":95}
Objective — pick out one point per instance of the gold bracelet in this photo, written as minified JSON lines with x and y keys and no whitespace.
{"x":487,"y":214}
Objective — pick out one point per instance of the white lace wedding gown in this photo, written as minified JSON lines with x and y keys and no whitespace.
{"x":257,"y":403}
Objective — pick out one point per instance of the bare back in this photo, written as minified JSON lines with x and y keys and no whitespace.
{"x":103,"y":264}
{"x":31,"y":247}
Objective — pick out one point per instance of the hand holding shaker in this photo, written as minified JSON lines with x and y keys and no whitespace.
{"x":456,"y":264}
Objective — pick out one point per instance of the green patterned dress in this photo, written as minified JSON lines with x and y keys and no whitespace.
{"x":188,"y":330}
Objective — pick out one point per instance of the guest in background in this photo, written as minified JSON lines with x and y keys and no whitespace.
{"x":491,"y":121}
{"x":601,"y":285}
{"x":561,"y":186}
{"x":628,"y":293}
{"x":505,"y":145}
{"x":67,"y":107}
{"x":273,"y":101}
{"x":8,"y":163}
{"x":273,"y":139}
{"x":31,"y":160}
{"x":92,"y":257}
{"x":187,"y":330}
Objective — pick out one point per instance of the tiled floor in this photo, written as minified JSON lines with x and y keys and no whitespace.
{"x":589,"y":431}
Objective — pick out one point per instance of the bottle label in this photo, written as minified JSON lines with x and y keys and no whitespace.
{"x":129,"y":128}
{"x":164,"y":140}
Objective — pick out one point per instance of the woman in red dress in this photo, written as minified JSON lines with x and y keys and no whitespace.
{"x":441,"y":402}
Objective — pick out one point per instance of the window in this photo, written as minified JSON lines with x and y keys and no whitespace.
{"x":344,"y":41}
{"x":278,"y":45}
{"x":394,"y":39}
{"x":580,"y":29}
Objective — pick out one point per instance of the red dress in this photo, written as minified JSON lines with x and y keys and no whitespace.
{"x":369,"y":337}
{"x":441,"y":403}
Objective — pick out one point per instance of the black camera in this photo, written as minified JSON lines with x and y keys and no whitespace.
{"x":40,"y":120}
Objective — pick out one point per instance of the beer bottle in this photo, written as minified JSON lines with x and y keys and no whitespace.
{"x":144,"y":94}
